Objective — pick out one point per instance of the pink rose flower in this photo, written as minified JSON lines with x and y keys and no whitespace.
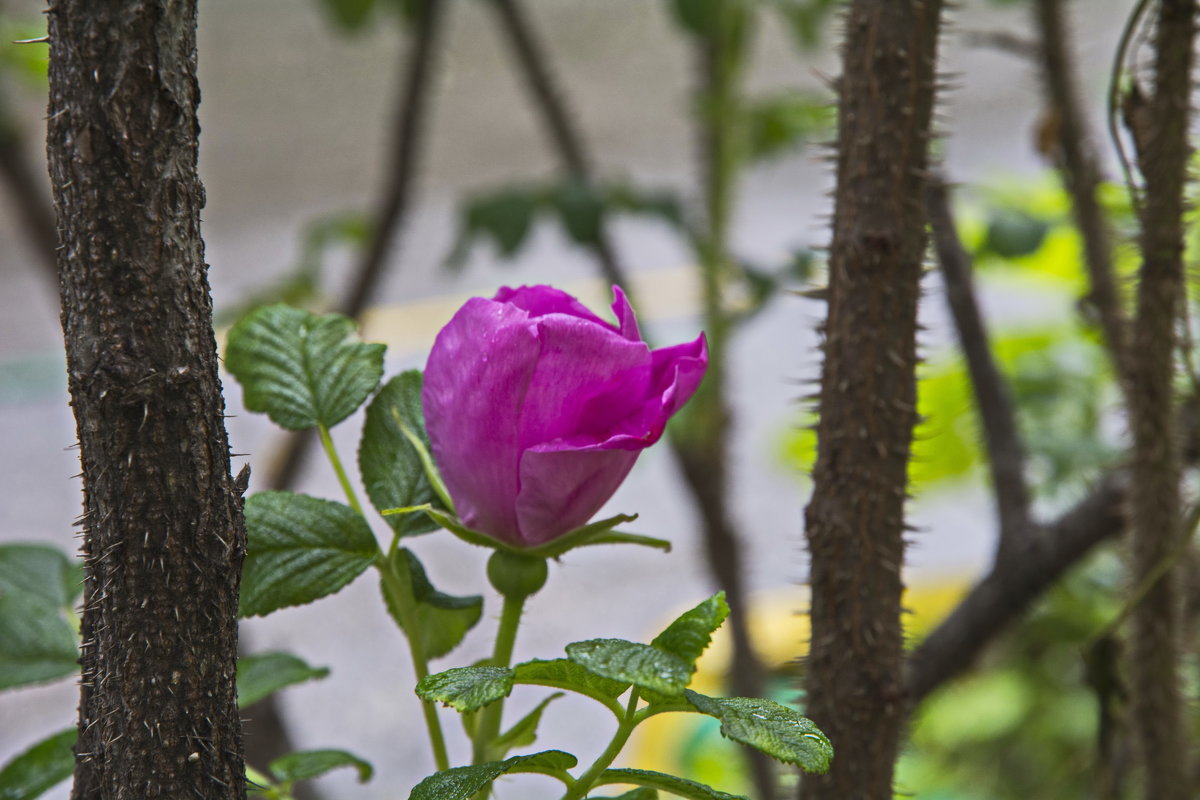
{"x":537,"y":409}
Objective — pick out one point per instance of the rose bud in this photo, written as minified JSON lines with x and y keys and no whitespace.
{"x":537,"y":409}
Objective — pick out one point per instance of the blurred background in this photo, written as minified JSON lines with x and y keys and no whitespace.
{"x":297,"y":115}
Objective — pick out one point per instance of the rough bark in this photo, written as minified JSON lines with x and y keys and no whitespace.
{"x":855,"y":521}
{"x":163,"y":535}
{"x":1160,"y":131}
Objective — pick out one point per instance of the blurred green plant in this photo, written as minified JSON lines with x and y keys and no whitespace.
{"x":1026,"y":723}
{"x":505,"y":216}
{"x":353,"y":16}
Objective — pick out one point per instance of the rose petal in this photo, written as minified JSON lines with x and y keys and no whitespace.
{"x":565,"y":482}
{"x":676,"y":373}
{"x":542,"y":300}
{"x":678,"y":370}
{"x":475,"y":385}
{"x":626,"y":319}
{"x":562,"y":489}
{"x":588,"y":378}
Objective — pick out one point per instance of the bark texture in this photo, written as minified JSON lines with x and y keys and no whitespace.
{"x":1159,"y":126}
{"x":163,"y":529}
{"x":855,"y":521}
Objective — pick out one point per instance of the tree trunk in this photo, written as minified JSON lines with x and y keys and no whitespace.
{"x":855,"y":521}
{"x":163,"y":534}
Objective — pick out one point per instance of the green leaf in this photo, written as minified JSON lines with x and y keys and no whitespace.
{"x":786,"y":121}
{"x":36,"y":643}
{"x":640,"y":664}
{"x":461,"y":783}
{"x":805,"y":19}
{"x":667,"y":783}
{"x":696,"y":16}
{"x":524,"y":732}
{"x":408,"y":10}
{"x":560,"y":673}
{"x":300,"y":549}
{"x":775,"y":729}
{"x":659,"y":204}
{"x":391,"y":468}
{"x":689,"y":635}
{"x":442,"y":620}
{"x":505,"y":216}
{"x":640,"y":793}
{"x":259,"y":784}
{"x":1013,"y":233}
{"x":308,"y":764}
{"x":40,"y":573}
{"x":350,"y":15}
{"x":264,"y":674}
{"x":581,"y":211}
{"x":300,"y":369}
{"x":40,"y":768}
{"x":467,"y":688}
{"x":661,"y":704}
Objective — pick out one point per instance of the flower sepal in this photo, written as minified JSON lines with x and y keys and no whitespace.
{"x":599,"y":532}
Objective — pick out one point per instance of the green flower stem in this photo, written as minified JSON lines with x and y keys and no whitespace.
{"x":343,"y":479}
{"x":506,"y":638}
{"x":628,"y":722}
{"x":420,"y":664}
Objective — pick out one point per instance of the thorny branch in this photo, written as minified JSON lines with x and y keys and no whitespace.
{"x":854,"y":523}
{"x":1159,"y":127}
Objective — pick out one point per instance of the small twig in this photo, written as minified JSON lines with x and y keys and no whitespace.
{"x":560,"y":128}
{"x":1006,"y":458}
{"x":410,"y":121}
{"x":1080,"y":172}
